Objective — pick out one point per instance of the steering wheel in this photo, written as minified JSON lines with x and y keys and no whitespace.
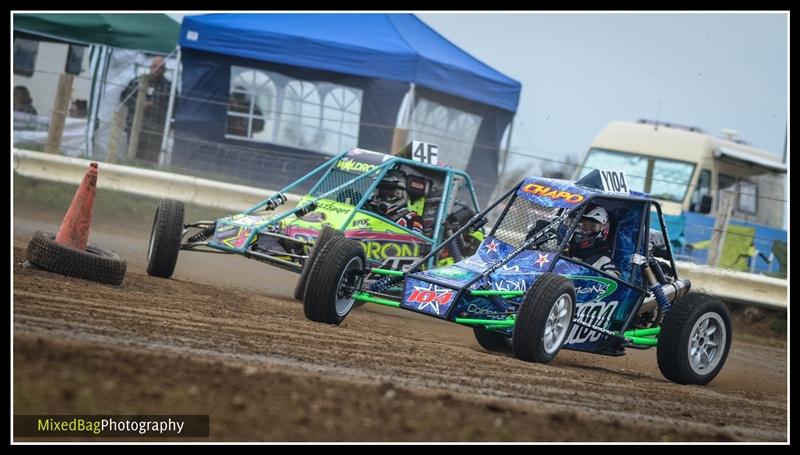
{"x":549,"y":234}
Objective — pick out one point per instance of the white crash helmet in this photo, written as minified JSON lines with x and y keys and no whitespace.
{"x":592,"y":230}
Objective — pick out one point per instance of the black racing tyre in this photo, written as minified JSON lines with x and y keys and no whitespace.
{"x":493,"y":341}
{"x":544,"y":319}
{"x":340,"y":263}
{"x":326,"y":234}
{"x":165,"y":239}
{"x":695,"y":339}
{"x":95,"y":264}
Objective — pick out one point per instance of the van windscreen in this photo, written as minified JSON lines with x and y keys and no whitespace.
{"x":661,"y":178}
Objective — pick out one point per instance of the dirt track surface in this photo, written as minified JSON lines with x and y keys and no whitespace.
{"x":224,"y":338}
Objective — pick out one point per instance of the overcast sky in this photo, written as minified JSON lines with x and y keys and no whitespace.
{"x":581,"y":71}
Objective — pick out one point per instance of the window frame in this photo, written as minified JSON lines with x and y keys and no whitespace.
{"x":288,"y":89}
{"x":648,"y":159}
{"x":701,"y":190}
{"x":73,"y":59}
{"x":739,"y":195}
{"x":422,"y":127}
{"x":24,"y":71}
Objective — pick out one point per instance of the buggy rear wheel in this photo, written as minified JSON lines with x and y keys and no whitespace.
{"x":695,"y":339}
{"x":337,"y":273}
{"x":544,"y":319}
{"x":492,"y":341}
{"x":165,"y":239}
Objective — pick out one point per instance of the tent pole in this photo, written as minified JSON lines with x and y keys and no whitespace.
{"x":94,"y":59}
{"x":400,"y":134}
{"x":410,"y":106}
{"x":98,"y":56}
{"x":162,"y":159}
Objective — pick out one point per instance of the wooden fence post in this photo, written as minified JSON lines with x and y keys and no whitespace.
{"x":59,"y":113}
{"x":117,"y":122}
{"x":138,"y":117}
{"x":727,"y":199}
{"x":399,"y":139}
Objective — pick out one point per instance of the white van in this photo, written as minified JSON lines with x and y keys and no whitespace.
{"x":684,"y":168}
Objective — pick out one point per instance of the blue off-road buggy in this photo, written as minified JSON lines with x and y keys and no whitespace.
{"x":524,"y":293}
{"x":339,"y":203}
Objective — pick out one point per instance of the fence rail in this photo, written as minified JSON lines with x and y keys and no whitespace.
{"x":143,"y":182}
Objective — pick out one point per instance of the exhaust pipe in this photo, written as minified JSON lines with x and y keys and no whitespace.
{"x":671,"y":292}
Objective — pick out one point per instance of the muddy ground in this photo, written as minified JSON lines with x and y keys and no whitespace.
{"x":224,"y":338}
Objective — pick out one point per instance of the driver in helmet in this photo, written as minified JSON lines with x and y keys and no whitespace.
{"x":590,"y":241}
{"x":390,"y":200}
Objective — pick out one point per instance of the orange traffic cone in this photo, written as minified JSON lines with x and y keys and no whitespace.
{"x":74,"y":230}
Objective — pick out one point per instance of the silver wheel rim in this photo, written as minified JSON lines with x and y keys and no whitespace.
{"x":555,"y":328}
{"x":152,"y":239}
{"x":706,"y":343}
{"x":344,"y":304}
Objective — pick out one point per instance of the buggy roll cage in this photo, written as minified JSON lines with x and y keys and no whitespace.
{"x":377,"y":173}
{"x":535,"y":235}
{"x":634,"y":338}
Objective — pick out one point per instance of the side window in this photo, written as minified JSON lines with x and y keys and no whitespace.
{"x":25,"y":51}
{"x":748,"y":197}
{"x":703,"y":189}
{"x":453,"y":130}
{"x":74,"y":59}
{"x":271,"y":107}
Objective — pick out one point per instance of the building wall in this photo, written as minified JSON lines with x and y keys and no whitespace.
{"x":51,"y":60}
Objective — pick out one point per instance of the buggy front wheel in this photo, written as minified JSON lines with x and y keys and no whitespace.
{"x":335,"y":275}
{"x":325,"y":234}
{"x":544,"y":319}
{"x":165,"y":239}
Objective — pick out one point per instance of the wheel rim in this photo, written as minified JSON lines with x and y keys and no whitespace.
{"x":707,"y":343}
{"x":555,"y":328}
{"x":347,"y":281}
{"x":152,"y":238}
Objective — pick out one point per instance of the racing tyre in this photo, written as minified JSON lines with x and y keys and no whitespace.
{"x":544,"y":319}
{"x":326,"y":234}
{"x":492,"y":341}
{"x":165,"y":239}
{"x":95,"y":264}
{"x":336,"y":272}
{"x":695,"y":339}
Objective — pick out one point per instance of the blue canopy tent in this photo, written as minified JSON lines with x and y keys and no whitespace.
{"x":309,"y":85}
